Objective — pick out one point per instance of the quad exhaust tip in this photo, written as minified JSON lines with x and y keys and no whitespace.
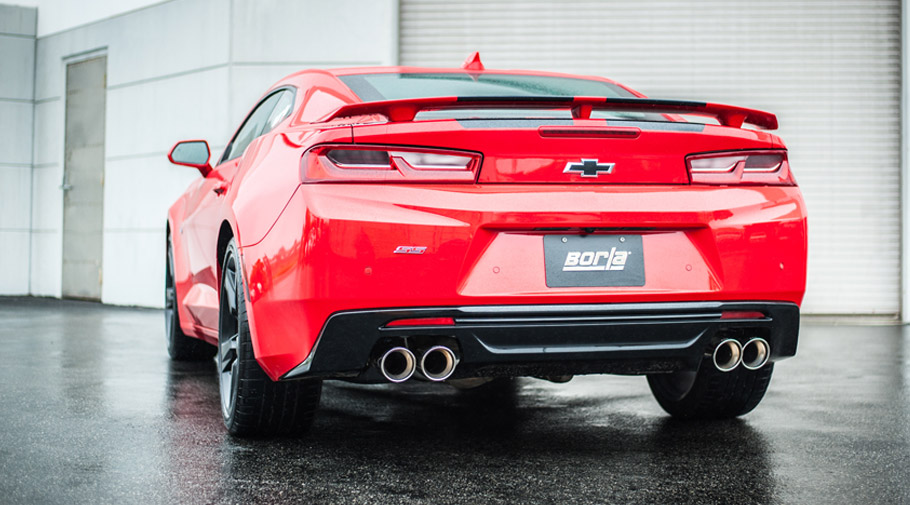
{"x":398,"y":364}
{"x":727,"y":355}
{"x":438,"y":363}
{"x":756,"y":353}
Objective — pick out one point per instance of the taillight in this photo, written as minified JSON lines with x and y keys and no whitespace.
{"x":363,"y":163}
{"x":741,"y":167}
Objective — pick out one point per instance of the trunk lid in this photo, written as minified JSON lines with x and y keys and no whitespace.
{"x":576,"y":151}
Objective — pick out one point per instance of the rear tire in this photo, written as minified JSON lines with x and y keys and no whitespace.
{"x":179,"y":346}
{"x":251,"y":403}
{"x":710,"y":393}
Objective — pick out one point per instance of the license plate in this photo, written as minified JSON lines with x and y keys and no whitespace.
{"x":594,"y":260}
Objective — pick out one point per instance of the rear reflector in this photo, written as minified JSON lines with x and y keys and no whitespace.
{"x":353,"y":163}
{"x":732,"y":314}
{"x":424,"y":321}
{"x":769,"y":168}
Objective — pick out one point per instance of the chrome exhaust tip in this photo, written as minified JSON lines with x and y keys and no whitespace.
{"x":438,"y":363}
{"x":756,"y":353}
{"x":727,"y":355}
{"x":398,"y":364}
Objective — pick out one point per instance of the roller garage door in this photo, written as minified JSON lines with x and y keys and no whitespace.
{"x":830,"y":70}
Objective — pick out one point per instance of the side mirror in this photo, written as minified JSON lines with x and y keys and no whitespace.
{"x":192,"y":153}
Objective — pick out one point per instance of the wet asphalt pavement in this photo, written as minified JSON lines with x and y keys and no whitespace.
{"x":92,"y":411}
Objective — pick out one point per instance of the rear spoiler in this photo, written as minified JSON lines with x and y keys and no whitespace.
{"x":581,"y":106}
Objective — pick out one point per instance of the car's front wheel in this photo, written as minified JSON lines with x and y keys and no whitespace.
{"x":251,"y":403}
{"x":710,"y":393}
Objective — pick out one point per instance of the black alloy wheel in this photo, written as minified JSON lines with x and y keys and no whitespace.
{"x":228,"y":335}
{"x":252,"y":404}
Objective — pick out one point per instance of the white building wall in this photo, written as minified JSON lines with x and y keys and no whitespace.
{"x":59,"y":15}
{"x":176,"y":70}
{"x":17,"y":59}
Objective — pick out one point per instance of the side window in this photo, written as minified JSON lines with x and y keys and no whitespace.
{"x":282,"y":109}
{"x":252,"y":127}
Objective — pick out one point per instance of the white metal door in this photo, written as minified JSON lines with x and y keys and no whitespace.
{"x":829,"y":70}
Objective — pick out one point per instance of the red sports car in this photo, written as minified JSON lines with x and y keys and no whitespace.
{"x":470,"y":226}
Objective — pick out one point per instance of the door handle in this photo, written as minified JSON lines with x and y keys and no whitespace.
{"x":220,"y":189}
{"x":66,"y":187}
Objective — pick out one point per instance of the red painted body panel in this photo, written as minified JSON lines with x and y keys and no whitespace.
{"x":309,"y":250}
{"x":331,"y":250}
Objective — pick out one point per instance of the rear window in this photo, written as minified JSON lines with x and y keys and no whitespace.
{"x":391,"y":86}
{"x":376,"y":87}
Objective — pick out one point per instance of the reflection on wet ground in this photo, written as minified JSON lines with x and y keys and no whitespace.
{"x":92,"y":410}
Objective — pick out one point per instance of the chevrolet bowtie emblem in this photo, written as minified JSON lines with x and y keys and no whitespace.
{"x":588,"y":168}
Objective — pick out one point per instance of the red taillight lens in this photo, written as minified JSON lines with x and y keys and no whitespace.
{"x":353,"y":163}
{"x":741,"y":167}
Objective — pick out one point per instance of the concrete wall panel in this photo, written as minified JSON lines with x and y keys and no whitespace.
{"x":174,"y":37}
{"x":15,"y":133}
{"x":134,"y":268}
{"x":17,"y":67}
{"x":13,"y":262}
{"x":154,"y":177}
{"x":48,"y":139}
{"x":45,"y":271}
{"x":18,"y":20}
{"x":17,"y":64}
{"x":47,"y":198}
{"x":15,"y":197}
{"x":341,"y":32}
{"x":150,"y":117}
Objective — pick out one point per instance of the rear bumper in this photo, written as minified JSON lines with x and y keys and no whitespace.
{"x":333,"y":251}
{"x":542,"y":340}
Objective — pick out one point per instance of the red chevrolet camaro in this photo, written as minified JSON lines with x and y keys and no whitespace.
{"x":470,"y":226}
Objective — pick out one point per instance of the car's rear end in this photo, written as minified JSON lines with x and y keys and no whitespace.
{"x":534,"y":234}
